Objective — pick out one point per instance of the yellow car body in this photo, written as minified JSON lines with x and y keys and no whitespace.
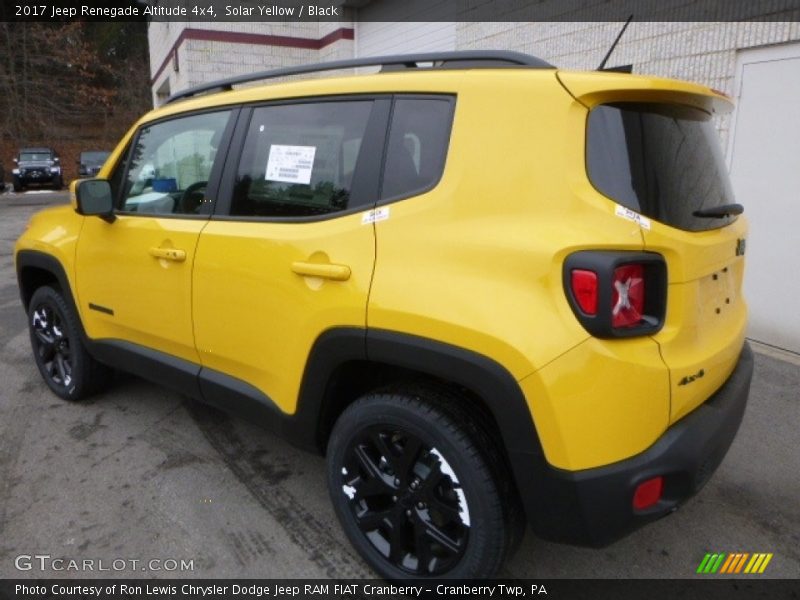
{"x":474,"y":263}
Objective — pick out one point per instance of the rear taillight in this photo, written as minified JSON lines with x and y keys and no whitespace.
{"x":584,"y":288}
{"x":617,"y":294}
{"x":627,"y":296}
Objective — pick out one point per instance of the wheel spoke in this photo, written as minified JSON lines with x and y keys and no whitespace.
{"x":422,"y":548}
{"x":41,"y":322}
{"x":51,"y":368}
{"x":430,"y":482}
{"x":449,"y":512}
{"x":440,"y":537}
{"x":371,"y":520}
{"x":373,"y":486}
{"x":44,"y":339}
{"x":397,"y":538}
{"x":46,"y":352}
{"x":62,"y":368}
{"x":373,"y":470}
{"x":377,"y":439}
{"x":407,"y":460}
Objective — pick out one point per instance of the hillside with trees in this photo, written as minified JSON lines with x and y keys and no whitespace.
{"x":71,"y":86}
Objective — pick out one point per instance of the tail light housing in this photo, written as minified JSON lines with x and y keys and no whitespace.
{"x":617,"y":294}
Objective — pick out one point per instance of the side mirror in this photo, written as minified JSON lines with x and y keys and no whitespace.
{"x":15,"y":160}
{"x":94,"y":199}
{"x":56,"y":159}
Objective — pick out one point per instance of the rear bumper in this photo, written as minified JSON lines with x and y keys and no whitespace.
{"x":594,"y":506}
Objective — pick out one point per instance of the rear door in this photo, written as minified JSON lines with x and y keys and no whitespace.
{"x":289,"y":253}
{"x":661,"y":158}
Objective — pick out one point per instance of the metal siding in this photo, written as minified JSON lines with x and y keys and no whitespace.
{"x":764,"y":169}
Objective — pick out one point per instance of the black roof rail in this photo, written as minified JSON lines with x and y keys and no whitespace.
{"x":467,"y":59}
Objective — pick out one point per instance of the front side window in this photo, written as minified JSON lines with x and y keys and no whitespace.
{"x":170,"y":165}
{"x":299,"y":160}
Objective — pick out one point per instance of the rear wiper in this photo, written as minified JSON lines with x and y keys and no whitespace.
{"x":718,"y":212}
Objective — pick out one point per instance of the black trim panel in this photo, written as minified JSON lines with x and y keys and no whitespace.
{"x":161,"y":368}
{"x":236,"y":396}
{"x":484,"y":377}
{"x":101,"y":309}
{"x":39,"y":260}
{"x":332,"y":349}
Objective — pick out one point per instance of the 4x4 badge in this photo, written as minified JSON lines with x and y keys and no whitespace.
{"x":690,"y":378}
{"x":740,"y":247}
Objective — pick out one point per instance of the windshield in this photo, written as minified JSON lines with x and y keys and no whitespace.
{"x":661,"y":160}
{"x":34,"y":156}
{"x":94,"y":158}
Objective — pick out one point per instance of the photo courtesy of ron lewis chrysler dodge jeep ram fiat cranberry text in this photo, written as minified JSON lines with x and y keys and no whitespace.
{"x":493,"y":293}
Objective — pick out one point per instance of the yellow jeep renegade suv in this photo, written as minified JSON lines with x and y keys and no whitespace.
{"x":490,"y":291}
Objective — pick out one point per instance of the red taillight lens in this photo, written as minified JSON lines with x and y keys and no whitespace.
{"x":648,"y":493}
{"x":627,"y":296}
{"x":584,"y":289}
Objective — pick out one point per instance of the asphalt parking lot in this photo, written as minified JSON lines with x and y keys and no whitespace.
{"x":141,"y":473}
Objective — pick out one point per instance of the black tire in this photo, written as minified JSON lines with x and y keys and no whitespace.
{"x":58,"y":184}
{"x":454,"y":523}
{"x":18,"y":187}
{"x":56,"y":338}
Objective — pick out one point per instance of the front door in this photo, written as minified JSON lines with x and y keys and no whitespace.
{"x":134,"y":283}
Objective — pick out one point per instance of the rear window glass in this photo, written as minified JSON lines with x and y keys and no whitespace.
{"x":661,"y":160}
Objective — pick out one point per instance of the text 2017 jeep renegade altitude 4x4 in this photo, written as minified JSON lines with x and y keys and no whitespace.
{"x":490,"y":291}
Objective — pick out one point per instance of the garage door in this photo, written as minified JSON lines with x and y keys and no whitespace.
{"x":379,"y":32}
{"x":765,"y":169}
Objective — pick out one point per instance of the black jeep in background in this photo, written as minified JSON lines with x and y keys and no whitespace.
{"x":37,"y":166}
{"x":91,"y":161}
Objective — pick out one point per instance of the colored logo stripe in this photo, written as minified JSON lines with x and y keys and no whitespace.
{"x":734,"y":563}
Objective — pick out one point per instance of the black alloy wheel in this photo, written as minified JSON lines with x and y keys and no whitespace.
{"x":407,"y":500}
{"x":418,"y":489}
{"x":52,"y":344}
{"x":57,"y":341}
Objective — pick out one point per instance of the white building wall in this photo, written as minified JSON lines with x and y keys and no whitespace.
{"x":381,"y":38}
{"x":202,"y":60}
{"x":701,"y":52}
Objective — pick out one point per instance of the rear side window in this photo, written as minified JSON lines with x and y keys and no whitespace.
{"x":299,"y":160}
{"x":418,"y":140}
{"x":661,"y":160}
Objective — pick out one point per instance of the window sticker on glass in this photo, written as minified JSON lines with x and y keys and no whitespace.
{"x":290,"y":164}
